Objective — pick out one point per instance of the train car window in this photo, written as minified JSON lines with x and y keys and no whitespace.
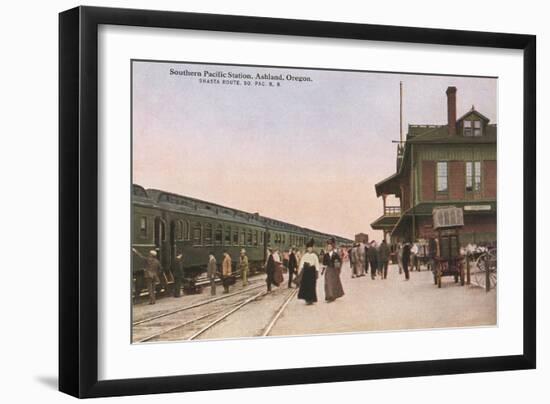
{"x":179,"y":230}
{"x":284,"y":238}
{"x":249,"y":238}
{"x":268,"y":237}
{"x":236,"y":236}
{"x":241,"y":241}
{"x":218,"y":235}
{"x":160,"y":231}
{"x":256,"y":237}
{"x":143,"y":226}
{"x":227,"y":238}
{"x":186,"y":230}
{"x":208,"y":234}
{"x":197,"y":234}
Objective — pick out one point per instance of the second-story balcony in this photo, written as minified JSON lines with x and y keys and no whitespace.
{"x":392,"y":211}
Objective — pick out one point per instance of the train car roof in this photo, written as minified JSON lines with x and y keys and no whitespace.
{"x":198,"y":207}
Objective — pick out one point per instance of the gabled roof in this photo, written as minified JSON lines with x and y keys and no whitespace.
{"x":474,"y":112}
{"x":440,"y":134}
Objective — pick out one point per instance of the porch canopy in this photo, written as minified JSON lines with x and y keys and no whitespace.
{"x":389,"y":186}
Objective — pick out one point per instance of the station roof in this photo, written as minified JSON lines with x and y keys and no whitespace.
{"x":385,"y":222}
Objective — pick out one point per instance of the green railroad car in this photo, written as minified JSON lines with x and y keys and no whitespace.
{"x":172,"y":224}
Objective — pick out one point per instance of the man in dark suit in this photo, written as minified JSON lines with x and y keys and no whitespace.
{"x":178,"y":275}
{"x":292,"y":266}
{"x":406,"y":259}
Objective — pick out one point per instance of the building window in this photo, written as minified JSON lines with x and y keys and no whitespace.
{"x":477,"y":128}
{"x":473,"y":176}
{"x":467,"y":128}
{"x":197,"y":234}
{"x":442,"y":182}
{"x":207,"y":234}
{"x":218,"y":235}
{"x":143,"y":226}
{"x":472,"y":128}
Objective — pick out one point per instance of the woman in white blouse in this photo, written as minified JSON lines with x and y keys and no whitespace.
{"x":309,"y":267}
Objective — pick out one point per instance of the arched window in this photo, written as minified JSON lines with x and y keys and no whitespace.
{"x":197,"y":234}
{"x":179,"y":230}
{"x":143,"y":226}
{"x":186,"y":230}
{"x":208,"y":234}
{"x":218,"y":234}
{"x":160,"y":231}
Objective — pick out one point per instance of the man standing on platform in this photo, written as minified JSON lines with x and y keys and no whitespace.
{"x":406,"y":259}
{"x":384,"y":257}
{"x":226,"y":272}
{"x":372,"y":254}
{"x":292,"y":266}
{"x":178,"y":275}
{"x":152,"y":272}
{"x":243,"y":267}
{"x":212,"y":271}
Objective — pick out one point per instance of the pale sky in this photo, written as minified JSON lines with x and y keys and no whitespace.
{"x":308,"y":153}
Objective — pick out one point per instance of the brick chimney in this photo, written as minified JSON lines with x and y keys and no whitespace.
{"x":451,"y":110}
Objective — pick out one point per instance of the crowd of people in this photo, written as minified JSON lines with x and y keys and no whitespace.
{"x":303,"y":269}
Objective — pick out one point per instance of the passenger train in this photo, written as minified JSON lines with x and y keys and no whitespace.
{"x":172,"y":224}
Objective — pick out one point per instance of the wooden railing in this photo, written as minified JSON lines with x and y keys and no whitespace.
{"x":392,"y":211}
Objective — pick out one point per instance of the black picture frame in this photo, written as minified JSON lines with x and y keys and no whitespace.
{"x":78,"y":200}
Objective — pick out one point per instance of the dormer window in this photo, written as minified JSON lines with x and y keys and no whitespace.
{"x":472,"y":127}
{"x":477,"y":128}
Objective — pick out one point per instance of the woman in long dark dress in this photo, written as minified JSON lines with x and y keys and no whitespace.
{"x":309,"y":268}
{"x":333,"y":264}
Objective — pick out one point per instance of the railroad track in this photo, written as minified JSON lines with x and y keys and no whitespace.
{"x":223,"y":313}
{"x":195,"y":305}
{"x":267,"y":329}
{"x":278,"y":313}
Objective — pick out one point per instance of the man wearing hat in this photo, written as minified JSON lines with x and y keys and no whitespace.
{"x":383,"y":259}
{"x":151,"y":273}
{"x":372,"y":253}
{"x":292,"y":266}
{"x":226,"y":271}
{"x":243,"y":267}
{"x":178,"y":275}
{"x":212,"y":270}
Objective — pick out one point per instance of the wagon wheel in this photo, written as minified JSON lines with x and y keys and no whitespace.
{"x":486,"y":262}
{"x":479,"y":274}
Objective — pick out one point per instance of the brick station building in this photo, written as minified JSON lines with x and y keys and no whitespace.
{"x":453,"y":164}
